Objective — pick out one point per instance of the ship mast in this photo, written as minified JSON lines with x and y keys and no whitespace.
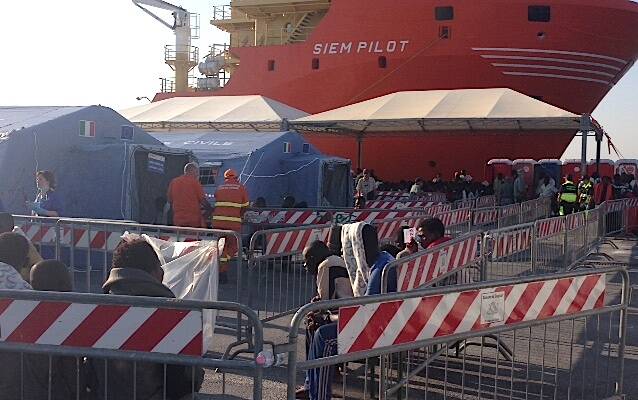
{"x":182,"y":57}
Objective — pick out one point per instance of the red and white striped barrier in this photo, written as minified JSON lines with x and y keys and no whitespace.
{"x":485,"y":216}
{"x":83,"y":239}
{"x":285,"y":217}
{"x":614,"y":206}
{"x":486,"y":201}
{"x":293,"y":241}
{"x":439,"y":262}
{"x":389,"y":229}
{"x":512,"y":242}
{"x":575,"y":221}
{"x":455,"y":217}
{"x":397,"y":205}
{"x":438,"y":209}
{"x":631,"y":203}
{"x":550,"y":227}
{"x":113,"y":327}
{"x":390,"y":323}
{"x":509,"y":211}
{"x":468,"y":203}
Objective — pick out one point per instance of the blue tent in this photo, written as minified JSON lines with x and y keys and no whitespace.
{"x":272,"y":165}
{"x":98,"y":157}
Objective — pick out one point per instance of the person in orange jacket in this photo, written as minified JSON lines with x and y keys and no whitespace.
{"x":231,"y":201}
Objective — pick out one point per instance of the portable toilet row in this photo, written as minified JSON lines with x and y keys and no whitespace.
{"x":628,"y":166}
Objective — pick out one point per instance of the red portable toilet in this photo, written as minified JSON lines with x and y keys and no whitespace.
{"x":498,"y":166}
{"x":629,"y":166}
{"x":526,"y":167}
{"x":572,"y":167}
{"x":607,"y":168}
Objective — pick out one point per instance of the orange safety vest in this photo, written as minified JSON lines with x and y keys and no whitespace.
{"x":231,"y":199}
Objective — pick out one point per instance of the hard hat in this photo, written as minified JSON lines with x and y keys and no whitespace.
{"x":230,"y":173}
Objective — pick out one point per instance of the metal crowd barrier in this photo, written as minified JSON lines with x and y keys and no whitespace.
{"x":86,"y":246}
{"x":553,"y":336}
{"x":449,"y":262}
{"x":508,"y":252}
{"x":55,"y":344}
{"x":457,"y":222}
{"x":278,"y":282}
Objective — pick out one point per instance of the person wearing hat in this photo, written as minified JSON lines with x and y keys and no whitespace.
{"x":231,"y":201}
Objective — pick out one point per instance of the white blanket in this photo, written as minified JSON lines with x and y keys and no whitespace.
{"x":191,"y":271}
{"x":355,"y":257}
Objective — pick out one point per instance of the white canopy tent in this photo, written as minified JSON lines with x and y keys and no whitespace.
{"x":443,"y":110}
{"x":213,"y":112}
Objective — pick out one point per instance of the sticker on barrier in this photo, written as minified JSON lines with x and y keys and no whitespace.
{"x":383,"y":324}
{"x":424,"y":269}
{"x":114,"y":327}
{"x":388,"y":229}
{"x":509,"y":211}
{"x":284,"y":217}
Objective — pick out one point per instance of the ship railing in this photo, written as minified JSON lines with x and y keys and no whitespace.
{"x":189,"y":54}
{"x":167,"y":85}
{"x":221,"y":12}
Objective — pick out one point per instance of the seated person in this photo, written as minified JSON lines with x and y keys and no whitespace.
{"x":137,"y":271}
{"x":7,"y":224}
{"x":324,"y":342}
{"x":13,"y":254}
{"x":61,"y":375}
{"x":430,"y":233}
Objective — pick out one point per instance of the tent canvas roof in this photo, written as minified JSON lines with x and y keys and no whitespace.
{"x":212,"y":111}
{"x":222,"y":145}
{"x":461,"y":109}
{"x":15,"y":118}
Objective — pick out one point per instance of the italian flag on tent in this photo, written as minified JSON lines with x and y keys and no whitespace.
{"x":87,"y":128}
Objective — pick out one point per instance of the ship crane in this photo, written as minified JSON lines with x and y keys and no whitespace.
{"x":182,"y":57}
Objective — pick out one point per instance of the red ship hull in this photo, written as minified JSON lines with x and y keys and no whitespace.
{"x":571,"y":62}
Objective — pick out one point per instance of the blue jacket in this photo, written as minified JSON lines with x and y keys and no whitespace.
{"x":376,"y":271}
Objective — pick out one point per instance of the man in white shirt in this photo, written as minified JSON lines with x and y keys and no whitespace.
{"x":366,"y":186}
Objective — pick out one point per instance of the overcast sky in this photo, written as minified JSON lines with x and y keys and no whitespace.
{"x":81,"y":52}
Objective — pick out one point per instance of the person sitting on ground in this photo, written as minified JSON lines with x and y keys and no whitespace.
{"x":61,"y":375}
{"x":13,"y":254}
{"x":417,"y":188}
{"x":136,"y":271}
{"x":289,"y":202}
{"x":259,"y":202}
{"x":7,"y":224}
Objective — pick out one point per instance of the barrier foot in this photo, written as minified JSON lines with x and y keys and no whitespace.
{"x":499,"y":345}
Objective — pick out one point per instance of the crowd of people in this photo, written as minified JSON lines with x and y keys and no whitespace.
{"x":136,"y":271}
{"x":461,"y":187}
{"x":341,"y":274}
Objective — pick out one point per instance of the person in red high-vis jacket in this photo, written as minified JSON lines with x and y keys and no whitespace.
{"x":231,"y":201}
{"x":603,"y":191}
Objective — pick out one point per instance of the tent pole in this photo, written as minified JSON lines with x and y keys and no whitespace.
{"x":359,"y":150}
{"x":585,"y":127}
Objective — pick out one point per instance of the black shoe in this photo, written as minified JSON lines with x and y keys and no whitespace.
{"x":223,"y":278}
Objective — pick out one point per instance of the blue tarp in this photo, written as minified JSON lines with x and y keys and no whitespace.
{"x":97,"y":175}
{"x":272,"y":165}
